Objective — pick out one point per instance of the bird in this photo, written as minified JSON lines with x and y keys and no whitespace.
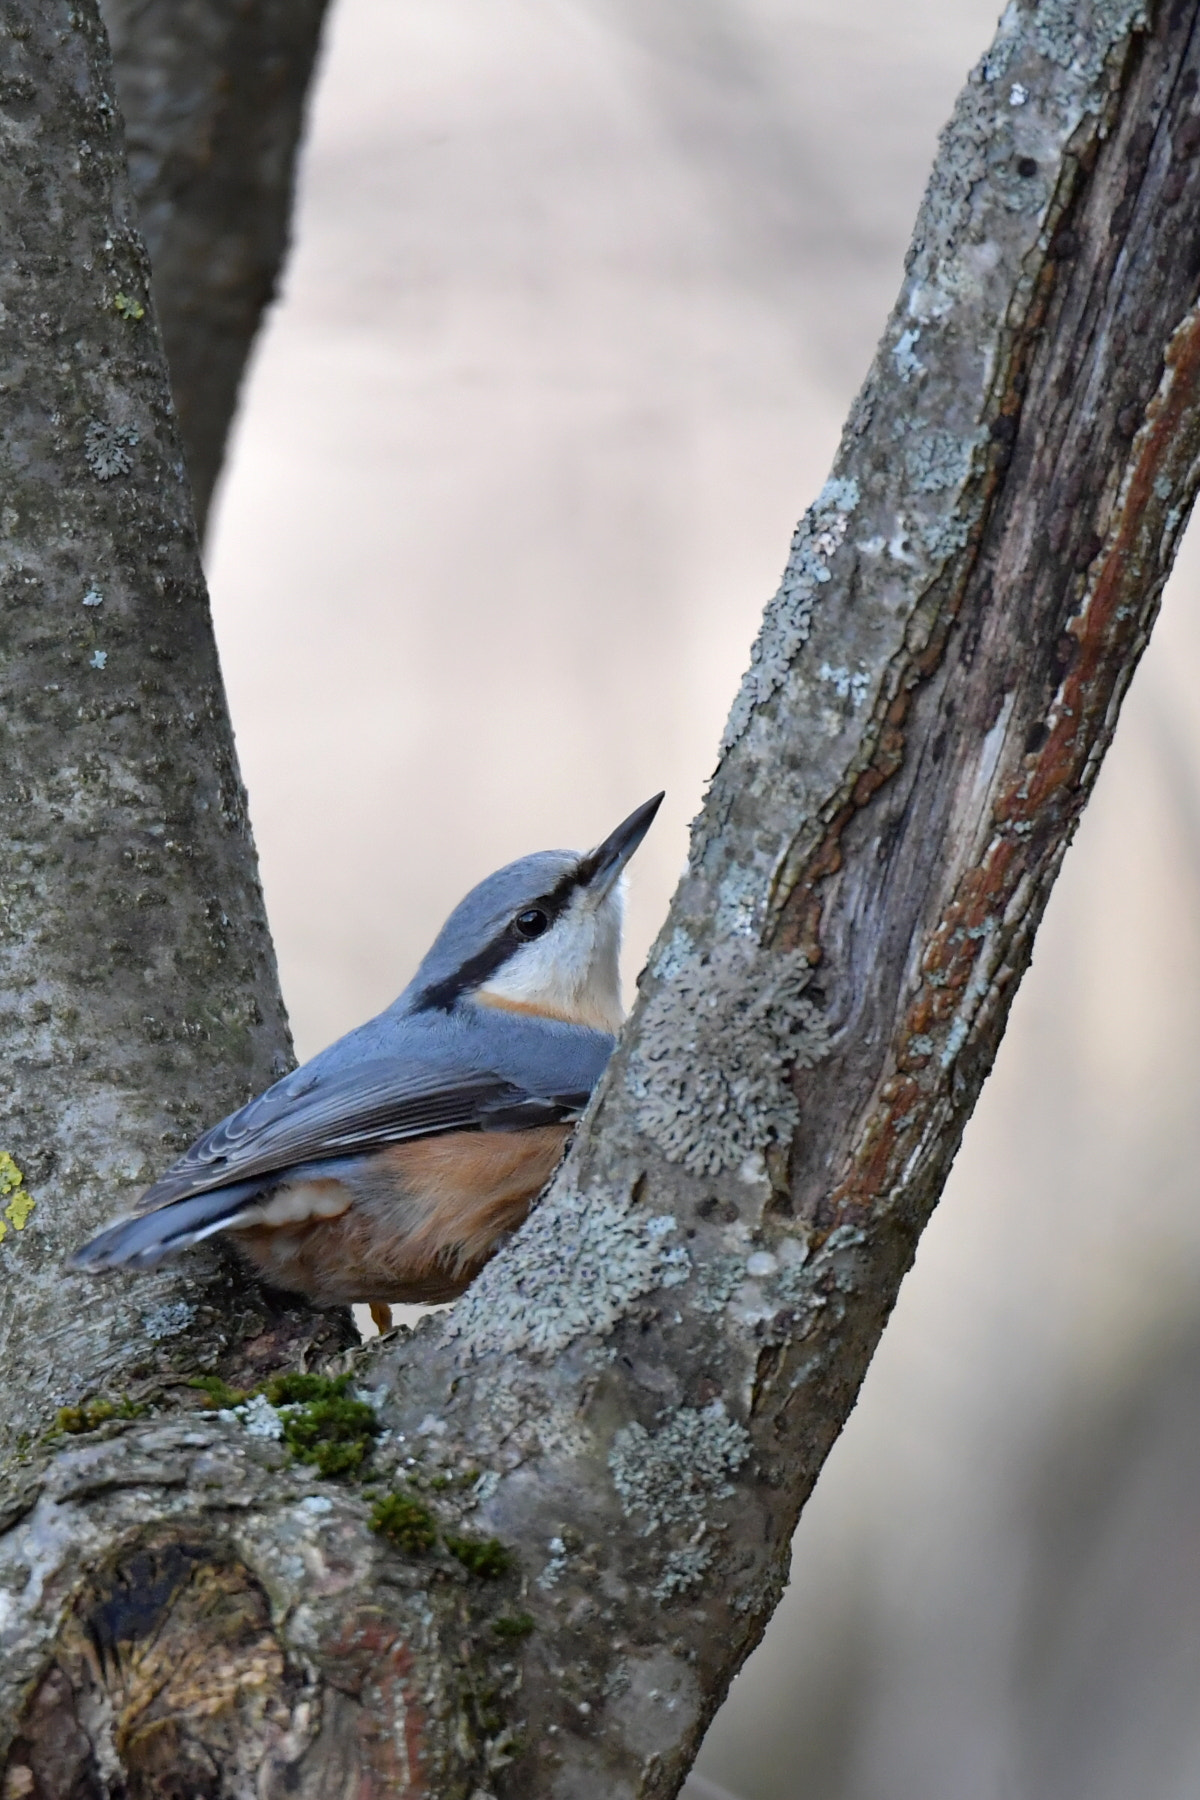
{"x":391,"y":1166}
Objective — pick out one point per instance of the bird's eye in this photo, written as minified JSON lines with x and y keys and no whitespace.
{"x":531,"y":923}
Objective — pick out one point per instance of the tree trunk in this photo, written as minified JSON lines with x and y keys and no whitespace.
{"x":139,"y":988}
{"x":564,"y":1518}
{"x":212,"y":93}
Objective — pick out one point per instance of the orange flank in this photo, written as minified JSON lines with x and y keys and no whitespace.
{"x":425,"y":1217}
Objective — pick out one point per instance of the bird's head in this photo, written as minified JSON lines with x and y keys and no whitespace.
{"x":542,"y":935}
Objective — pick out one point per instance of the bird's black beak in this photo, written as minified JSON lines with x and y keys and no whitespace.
{"x":601,"y":866}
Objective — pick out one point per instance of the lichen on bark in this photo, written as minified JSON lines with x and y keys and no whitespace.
{"x":619,"y":1458}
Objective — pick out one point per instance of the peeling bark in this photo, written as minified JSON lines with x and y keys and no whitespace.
{"x":213,"y":95}
{"x":572,"y":1519}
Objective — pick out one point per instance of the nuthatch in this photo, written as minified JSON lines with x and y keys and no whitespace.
{"x":388,"y":1167}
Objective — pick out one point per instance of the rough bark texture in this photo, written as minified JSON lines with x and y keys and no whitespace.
{"x":137,"y":982}
{"x":584,"y":1480}
{"x":212,"y":93}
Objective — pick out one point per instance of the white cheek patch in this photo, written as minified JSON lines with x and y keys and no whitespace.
{"x":552,"y":967}
{"x":297,"y":1204}
{"x":572,"y":971}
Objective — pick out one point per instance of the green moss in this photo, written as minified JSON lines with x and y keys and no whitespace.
{"x":512,"y":1626}
{"x":94,"y":1413}
{"x":405,"y":1523}
{"x":296,"y":1388}
{"x":442,"y":1481}
{"x":219,"y":1391}
{"x":411,"y":1527}
{"x":128,"y":309}
{"x":485,"y":1557}
{"x":322,"y":1424}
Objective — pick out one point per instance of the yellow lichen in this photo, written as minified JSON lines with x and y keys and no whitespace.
{"x":19,"y":1208}
{"x":20,"y":1200}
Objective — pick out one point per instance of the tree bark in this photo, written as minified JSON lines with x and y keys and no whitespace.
{"x":139,"y":992}
{"x":212,"y":93}
{"x":571,"y":1517}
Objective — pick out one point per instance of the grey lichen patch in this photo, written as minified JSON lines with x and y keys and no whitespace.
{"x":260,"y":1418}
{"x":573,"y":1271}
{"x":717,"y":1281}
{"x":942,"y":537}
{"x":518,"y":1416}
{"x":793,"y":1282}
{"x":168,"y":1320}
{"x":710,"y":1070}
{"x":1063,"y":32}
{"x":976,"y":145}
{"x":683,"y":1569}
{"x":106,"y":449}
{"x":668,"y":1479}
{"x":741,"y":901}
{"x":674,"y":956}
{"x":848,"y":684}
{"x":788,"y":618}
{"x":904,"y":355}
{"x":945,"y":209}
{"x":939,"y":460}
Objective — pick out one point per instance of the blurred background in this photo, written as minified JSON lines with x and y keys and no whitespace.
{"x":580,"y":294}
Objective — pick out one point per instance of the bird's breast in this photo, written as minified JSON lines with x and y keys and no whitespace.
{"x":417,"y":1220}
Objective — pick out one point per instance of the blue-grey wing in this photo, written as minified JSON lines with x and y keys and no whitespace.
{"x":313,"y":1115}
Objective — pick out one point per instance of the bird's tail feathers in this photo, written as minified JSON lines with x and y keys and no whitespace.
{"x":141,"y":1241}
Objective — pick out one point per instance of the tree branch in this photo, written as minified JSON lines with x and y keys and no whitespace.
{"x":213,"y":95}
{"x":589,"y":1472}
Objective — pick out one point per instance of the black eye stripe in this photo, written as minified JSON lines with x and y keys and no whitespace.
{"x":477,"y":969}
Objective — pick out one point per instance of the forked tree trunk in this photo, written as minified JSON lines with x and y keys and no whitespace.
{"x":589,"y":1472}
